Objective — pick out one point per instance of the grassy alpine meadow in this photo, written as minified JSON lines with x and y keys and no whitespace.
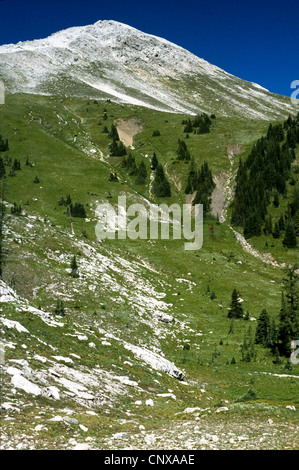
{"x":92,"y":354}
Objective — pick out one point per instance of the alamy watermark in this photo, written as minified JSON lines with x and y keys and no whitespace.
{"x":138,"y":222}
{"x":2,"y":92}
{"x":295,"y":94}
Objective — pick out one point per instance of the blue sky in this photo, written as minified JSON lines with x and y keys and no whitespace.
{"x":257,"y":41}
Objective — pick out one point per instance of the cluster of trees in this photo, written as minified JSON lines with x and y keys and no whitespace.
{"x":291,"y":125}
{"x":287,"y":225}
{"x":276,"y":336}
{"x":14,"y":165}
{"x":76,"y":210}
{"x":133,"y":169}
{"x":202,"y":182}
{"x":199,"y":125}
{"x":117,"y":149}
{"x":263,"y":176}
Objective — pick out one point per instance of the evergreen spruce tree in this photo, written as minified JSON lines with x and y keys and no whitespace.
{"x":154,"y":162}
{"x":141,"y":174}
{"x":236,"y":309}
{"x":290,"y":240}
{"x":182,"y":151}
{"x":114,"y":133}
{"x":161,"y":186}
{"x":121,"y":149}
{"x":263,"y":330}
{"x":113,"y":148}
{"x":281,"y":223}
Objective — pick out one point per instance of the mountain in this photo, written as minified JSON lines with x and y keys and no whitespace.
{"x":133,"y":343}
{"x":114,"y":61}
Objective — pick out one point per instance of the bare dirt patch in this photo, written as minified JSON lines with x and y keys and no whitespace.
{"x":127,"y":129}
{"x":223,"y":192}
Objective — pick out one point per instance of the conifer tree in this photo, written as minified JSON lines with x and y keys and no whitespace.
{"x":182,"y":151}
{"x":141,"y":174}
{"x":154,"y":162}
{"x":263,"y":329}
{"x":114,"y":133}
{"x":236,"y":309}
{"x":290,"y":240}
{"x":281,"y":223}
{"x":161,"y":186}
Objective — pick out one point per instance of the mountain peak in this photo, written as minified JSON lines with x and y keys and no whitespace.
{"x":109,"y":59}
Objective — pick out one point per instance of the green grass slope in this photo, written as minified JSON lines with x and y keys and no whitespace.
{"x":130,"y":294}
